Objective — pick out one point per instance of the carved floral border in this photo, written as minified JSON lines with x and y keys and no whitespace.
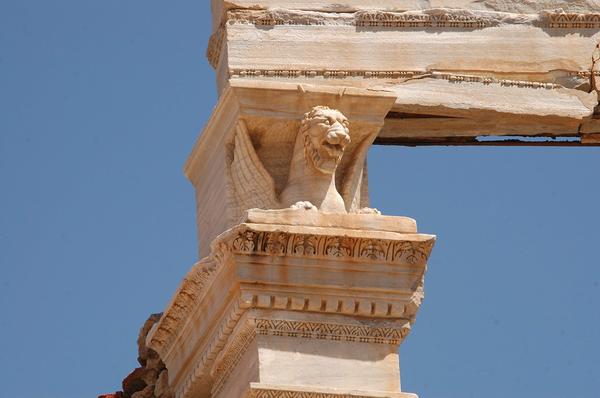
{"x":335,"y":247}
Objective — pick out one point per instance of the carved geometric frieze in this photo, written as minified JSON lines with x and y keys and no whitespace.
{"x":269,"y":393}
{"x":332,"y":331}
{"x":432,"y":18}
{"x":564,"y":20}
{"x":264,"y":390}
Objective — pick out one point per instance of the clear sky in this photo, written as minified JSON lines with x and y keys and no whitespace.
{"x":100,"y":104}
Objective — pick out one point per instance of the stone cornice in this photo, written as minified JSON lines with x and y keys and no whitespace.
{"x":428,"y":19}
{"x":248,"y":245}
{"x":244,"y":240}
{"x":186,"y":297}
{"x":213,"y":347}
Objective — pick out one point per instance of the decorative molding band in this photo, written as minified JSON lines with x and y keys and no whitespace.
{"x":282,"y":17}
{"x":272,"y":393}
{"x":332,"y":331}
{"x":335,"y":247}
{"x":586,"y":74}
{"x":332,"y":304}
{"x":563,"y":20}
{"x":343,"y":74}
{"x":424,"y":19}
{"x":231,"y":356}
{"x":444,"y":18}
{"x":432,"y":19}
{"x":187,"y":295}
{"x":331,"y":73}
{"x":490,"y":80}
{"x":214,"y":347}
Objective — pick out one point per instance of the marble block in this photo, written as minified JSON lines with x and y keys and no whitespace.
{"x":319,"y":305}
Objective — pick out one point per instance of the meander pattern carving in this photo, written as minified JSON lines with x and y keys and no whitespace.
{"x":268,"y":393}
{"x":332,"y":331}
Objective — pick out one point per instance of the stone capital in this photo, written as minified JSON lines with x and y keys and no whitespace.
{"x":296,"y":298}
{"x":244,"y":156}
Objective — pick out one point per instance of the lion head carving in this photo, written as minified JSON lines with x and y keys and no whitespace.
{"x":319,"y":146}
{"x":325,"y":134}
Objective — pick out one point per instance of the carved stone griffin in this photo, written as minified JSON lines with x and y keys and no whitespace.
{"x":318,"y":150}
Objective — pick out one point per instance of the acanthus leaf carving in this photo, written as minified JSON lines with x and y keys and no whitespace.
{"x":247,"y":241}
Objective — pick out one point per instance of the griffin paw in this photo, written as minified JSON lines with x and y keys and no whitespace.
{"x":303,"y":205}
{"x":369,"y":210}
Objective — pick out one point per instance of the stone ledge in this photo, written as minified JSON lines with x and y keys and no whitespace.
{"x":259,"y":390}
{"x":357,"y":284}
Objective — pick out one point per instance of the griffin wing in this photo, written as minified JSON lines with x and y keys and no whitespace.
{"x":354,"y":187}
{"x":254,"y":187}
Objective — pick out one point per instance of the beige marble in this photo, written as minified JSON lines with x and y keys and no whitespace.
{"x":261,"y":390}
{"x":304,"y":290}
{"x":480,"y":62}
{"x":340,"y":299}
{"x":253,"y":151}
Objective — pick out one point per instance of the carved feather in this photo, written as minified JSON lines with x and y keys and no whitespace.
{"x":254,"y":187}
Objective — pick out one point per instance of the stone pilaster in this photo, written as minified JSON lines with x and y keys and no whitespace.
{"x":296,"y":303}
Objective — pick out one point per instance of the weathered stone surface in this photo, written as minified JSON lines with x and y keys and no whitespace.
{"x":142,"y":381}
{"x":162,"y":384}
{"x":515,"y":6}
{"x":134,"y":382}
{"x":143,"y":353}
{"x":147,"y":392}
{"x":348,"y":292}
{"x":232,"y":174}
{"x":460,"y":59}
{"x":303,"y":290}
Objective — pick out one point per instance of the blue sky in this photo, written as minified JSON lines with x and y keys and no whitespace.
{"x":101,"y":103}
